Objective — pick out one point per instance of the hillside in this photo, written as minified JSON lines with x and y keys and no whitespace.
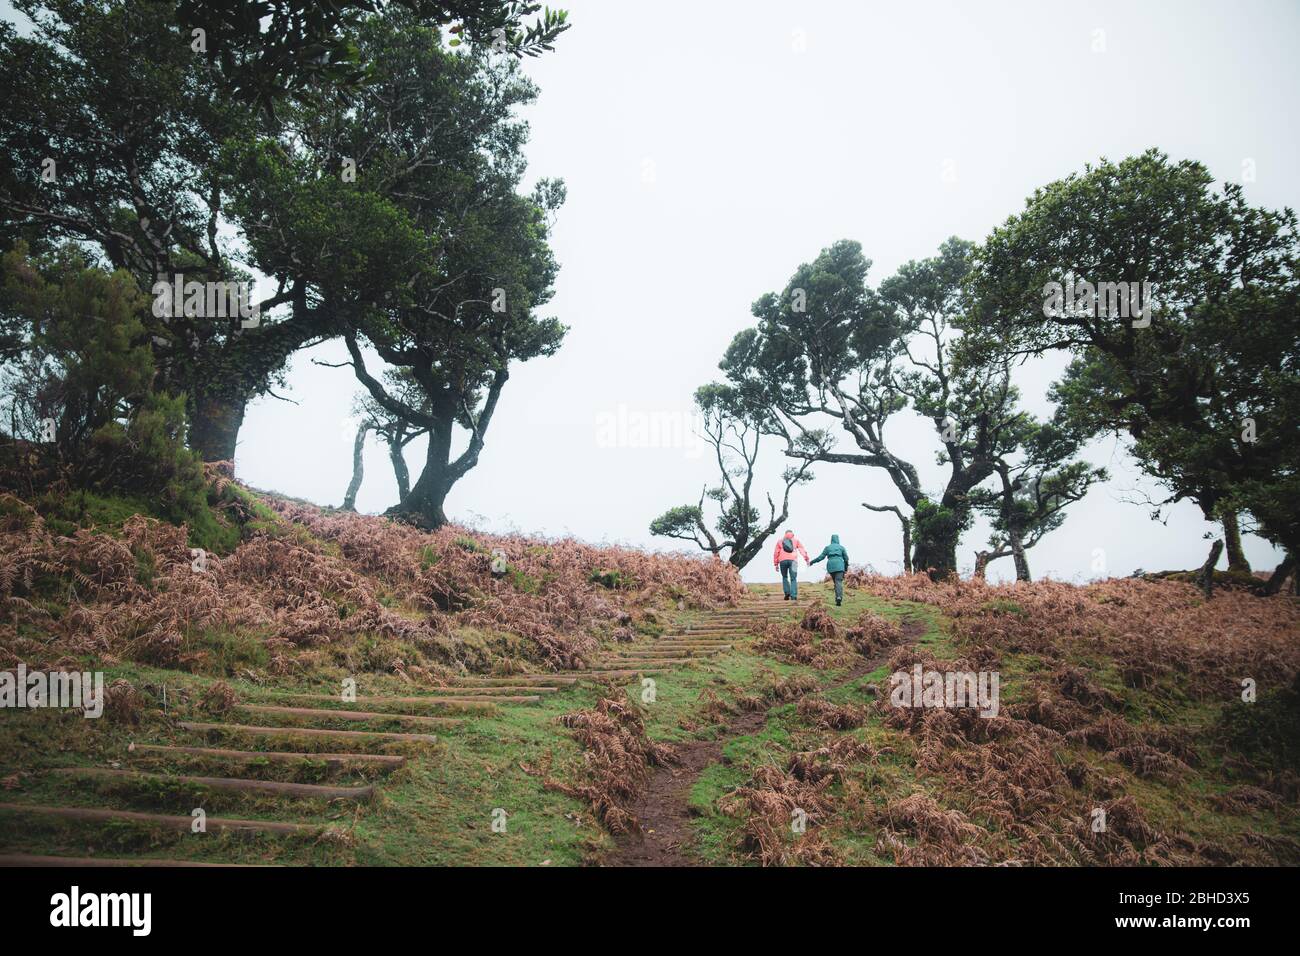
{"x":586,"y":704}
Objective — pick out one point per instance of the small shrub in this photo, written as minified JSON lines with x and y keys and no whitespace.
{"x":613,"y":580}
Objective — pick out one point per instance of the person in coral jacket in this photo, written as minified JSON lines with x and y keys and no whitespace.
{"x":786,"y":559}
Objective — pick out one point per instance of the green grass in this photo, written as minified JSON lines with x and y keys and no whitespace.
{"x":1266,"y":732}
{"x":717,"y":836}
{"x":439,"y":808}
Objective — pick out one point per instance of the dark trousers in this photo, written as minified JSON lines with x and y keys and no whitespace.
{"x":838,"y":578}
{"x":790,"y":578}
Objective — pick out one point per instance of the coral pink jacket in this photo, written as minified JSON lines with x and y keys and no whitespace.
{"x":781,"y":554}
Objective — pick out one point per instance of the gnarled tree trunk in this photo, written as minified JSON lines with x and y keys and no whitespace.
{"x":400,"y":471}
{"x":215,"y":421}
{"x":1207,"y":570}
{"x":907,"y":532}
{"x":1280,"y":574}
{"x":358,"y":469}
{"x":938,"y":530}
{"x":423,"y":505}
{"x":982,"y":561}
{"x":1018,"y":554}
{"x":1232,"y":539}
{"x":936,"y":555}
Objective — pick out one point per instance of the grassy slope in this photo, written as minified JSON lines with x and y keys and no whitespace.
{"x":438,"y":809}
{"x":1183,"y":805}
{"x":718,"y":835}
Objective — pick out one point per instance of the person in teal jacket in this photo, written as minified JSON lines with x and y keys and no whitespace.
{"x":837,"y":562}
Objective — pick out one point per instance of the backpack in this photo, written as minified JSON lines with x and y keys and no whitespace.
{"x":787,"y":546}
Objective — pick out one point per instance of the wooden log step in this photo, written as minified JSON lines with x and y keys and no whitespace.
{"x":671,"y":651}
{"x":300,"y":791}
{"x":696,"y":645}
{"x":318,"y":714}
{"x":514,"y":679}
{"x":310,"y":732}
{"x":273,"y":756}
{"x":489,"y":690}
{"x":703,"y":639}
{"x":690,"y":636}
{"x":649,"y":661}
{"x":687,"y":638}
{"x":26,"y":859}
{"x":667,"y":652}
{"x":718,"y":637}
{"x":661,"y":666}
{"x":214,"y":824}
{"x":461,"y":703}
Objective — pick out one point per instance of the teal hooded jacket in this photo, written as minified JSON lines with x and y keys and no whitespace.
{"x":837,"y":559}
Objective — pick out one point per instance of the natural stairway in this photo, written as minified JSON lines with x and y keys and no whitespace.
{"x":321,"y":752}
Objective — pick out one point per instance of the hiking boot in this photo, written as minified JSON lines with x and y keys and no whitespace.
{"x":787,"y":597}
{"x":838,"y":602}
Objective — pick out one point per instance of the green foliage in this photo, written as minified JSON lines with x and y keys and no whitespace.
{"x":455,"y":299}
{"x":120,"y":446}
{"x":936,"y":521}
{"x":66,"y":511}
{"x":937,"y":528}
{"x":1266,"y":732}
{"x":830,"y":354}
{"x":154,"y":154}
{"x":609,"y":579}
{"x":522,"y":582}
{"x":1005,"y":606}
{"x":1220,"y":355}
{"x":1035,"y":485}
{"x":82,"y":363}
{"x":676,"y":522}
{"x":135,"y":122}
{"x":307,"y":46}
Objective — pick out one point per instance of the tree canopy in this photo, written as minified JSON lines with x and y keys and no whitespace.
{"x":1207,"y":385}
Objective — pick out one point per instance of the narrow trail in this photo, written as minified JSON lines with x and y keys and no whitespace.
{"x":663,"y":809}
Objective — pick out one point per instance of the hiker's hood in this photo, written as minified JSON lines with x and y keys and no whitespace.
{"x":835,"y":539}
{"x":789,"y":534}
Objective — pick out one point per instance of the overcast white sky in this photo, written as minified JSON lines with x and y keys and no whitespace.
{"x":711,"y":147}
